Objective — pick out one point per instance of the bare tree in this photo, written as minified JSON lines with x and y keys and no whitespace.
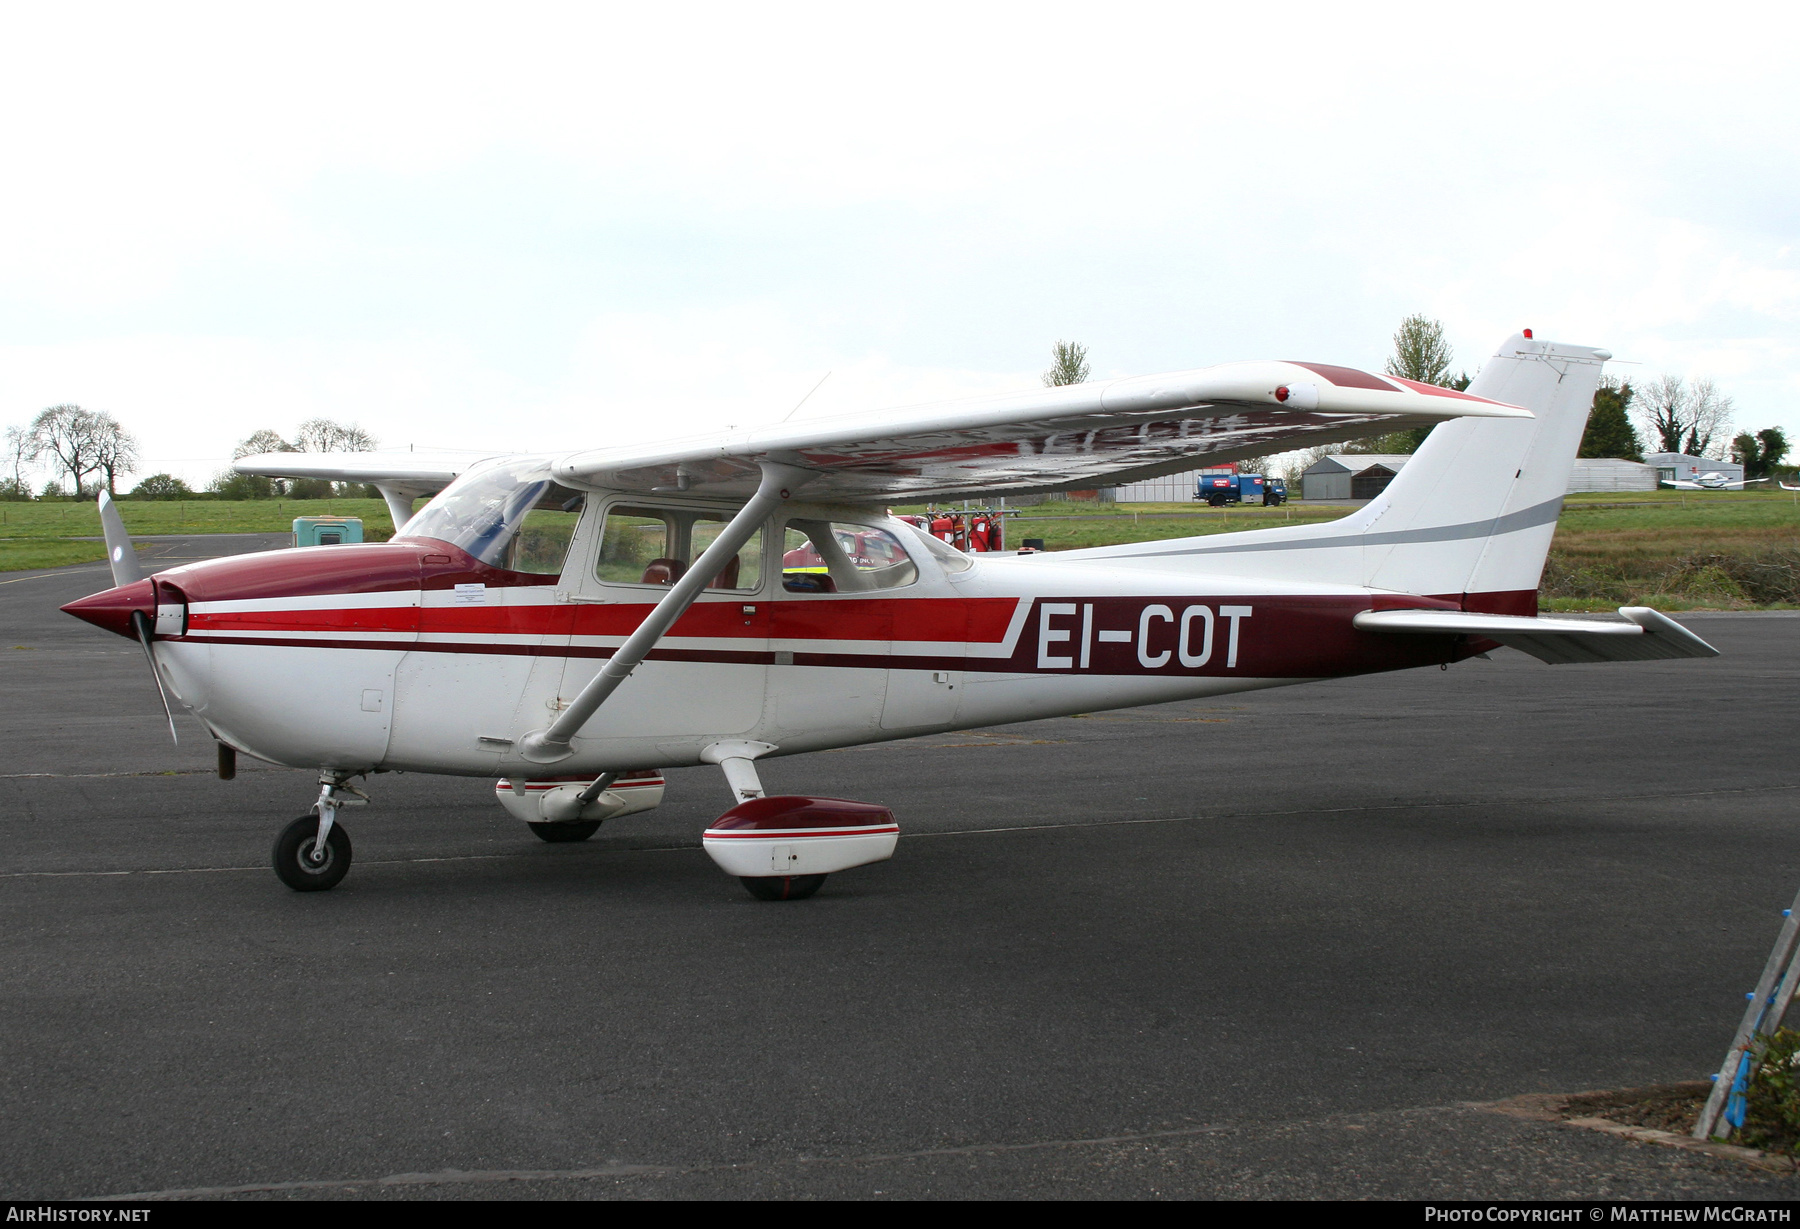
{"x":1711,"y":428}
{"x":21,"y":451}
{"x":115,"y":450}
{"x":1070,"y":367}
{"x":1662,"y":406}
{"x":1682,"y":417}
{"x":259,"y":442}
{"x":327,"y":435}
{"x":71,"y":435}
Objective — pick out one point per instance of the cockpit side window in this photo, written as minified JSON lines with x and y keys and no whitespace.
{"x":642,"y":545}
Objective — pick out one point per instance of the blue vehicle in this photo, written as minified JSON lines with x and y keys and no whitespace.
{"x":1221,"y":489}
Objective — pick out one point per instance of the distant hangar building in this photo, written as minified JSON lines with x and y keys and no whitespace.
{"x":1671,"y":466}
{"x":1348,"y":476}
{"x":1611,"y":474}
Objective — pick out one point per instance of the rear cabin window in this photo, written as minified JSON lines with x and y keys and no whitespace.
{"x":655,"y":546}
{"x":837,"y":557}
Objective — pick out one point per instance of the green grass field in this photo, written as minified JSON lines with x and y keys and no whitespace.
{"x":37,"y":535}
{"x":1674,"y":550}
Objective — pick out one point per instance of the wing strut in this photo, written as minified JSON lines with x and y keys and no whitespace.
{"x":779,"y":481}
{"x":400,"y":504}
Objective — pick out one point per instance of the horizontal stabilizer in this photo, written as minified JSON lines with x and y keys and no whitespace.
{"x":1647,"y":636}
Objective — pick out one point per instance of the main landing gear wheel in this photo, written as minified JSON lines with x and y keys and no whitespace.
{"x":294,"y":861}
{"x":781,"y":887}
{"x":573,"y":830}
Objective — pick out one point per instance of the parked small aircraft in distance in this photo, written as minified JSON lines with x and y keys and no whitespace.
{"x":1712,"y":482}
{"x":572,"y":623}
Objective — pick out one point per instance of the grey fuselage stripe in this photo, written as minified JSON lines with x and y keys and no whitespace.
{"x":1526,"y":518}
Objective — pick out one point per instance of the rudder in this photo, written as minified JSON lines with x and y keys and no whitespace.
{"x":1471,"y":516}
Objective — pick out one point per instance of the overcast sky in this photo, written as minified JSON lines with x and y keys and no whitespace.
{"x":557,"y":226}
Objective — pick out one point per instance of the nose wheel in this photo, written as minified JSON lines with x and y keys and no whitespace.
{"x":305,"y":863}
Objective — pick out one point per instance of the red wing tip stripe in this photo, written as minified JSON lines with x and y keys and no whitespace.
{"x":1438,"y":390}
{"x":792,"y":833}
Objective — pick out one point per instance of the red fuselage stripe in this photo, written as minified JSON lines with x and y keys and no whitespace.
{"x":965,"y":620}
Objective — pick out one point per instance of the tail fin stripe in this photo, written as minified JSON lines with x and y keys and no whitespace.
{"x":1512,"y":522}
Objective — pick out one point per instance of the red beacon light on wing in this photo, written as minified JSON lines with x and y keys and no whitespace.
{"x":1298,"y":396}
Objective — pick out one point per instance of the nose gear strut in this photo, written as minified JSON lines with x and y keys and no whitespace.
{"x":335,"y":791}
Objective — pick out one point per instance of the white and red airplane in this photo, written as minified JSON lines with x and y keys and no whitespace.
{"x":1713,"y":481}
{"x":572,"y":623}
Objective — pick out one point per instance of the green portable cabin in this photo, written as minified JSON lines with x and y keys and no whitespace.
{"x":327,"y":530}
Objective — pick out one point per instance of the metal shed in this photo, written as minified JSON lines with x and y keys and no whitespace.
{"x":1611,"y":474}
{"x":1170,"y":488}
{"x":1350,"y":475}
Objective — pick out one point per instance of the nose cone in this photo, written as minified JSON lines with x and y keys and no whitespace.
{"x":112,"y":609}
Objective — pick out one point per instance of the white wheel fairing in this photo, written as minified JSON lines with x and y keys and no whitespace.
{"x":797,"y":852}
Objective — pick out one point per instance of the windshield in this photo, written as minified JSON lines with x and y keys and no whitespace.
{"x":509,"y":515}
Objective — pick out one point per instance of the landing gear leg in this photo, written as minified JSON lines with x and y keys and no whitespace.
{"x":312,"y":854}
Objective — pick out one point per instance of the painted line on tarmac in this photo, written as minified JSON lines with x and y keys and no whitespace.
{"x":220,"y":870}
{"x":1390,"y":806}
{"x":41,"y":575}
{"x":446,"y":1177}
{"x":440,"y":1178}
{"x":1083,"y":824}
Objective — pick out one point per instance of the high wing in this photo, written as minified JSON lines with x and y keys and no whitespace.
{"x":409,"y":473}
{"x":1054,"y":439}
{"x":1647,"y":636}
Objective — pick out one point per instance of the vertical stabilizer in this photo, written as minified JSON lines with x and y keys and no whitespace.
{"x":1470,"y":516}
{"x":1473,"y":512}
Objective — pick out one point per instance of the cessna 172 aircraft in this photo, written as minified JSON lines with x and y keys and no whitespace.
{"x":571,"y":623}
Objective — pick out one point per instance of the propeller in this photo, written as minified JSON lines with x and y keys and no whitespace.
{"x":120,"y":553}
{"x":141,"y":624}
{"x":121,"y":556}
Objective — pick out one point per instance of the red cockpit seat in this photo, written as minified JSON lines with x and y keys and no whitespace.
{"x":663,"y":571}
